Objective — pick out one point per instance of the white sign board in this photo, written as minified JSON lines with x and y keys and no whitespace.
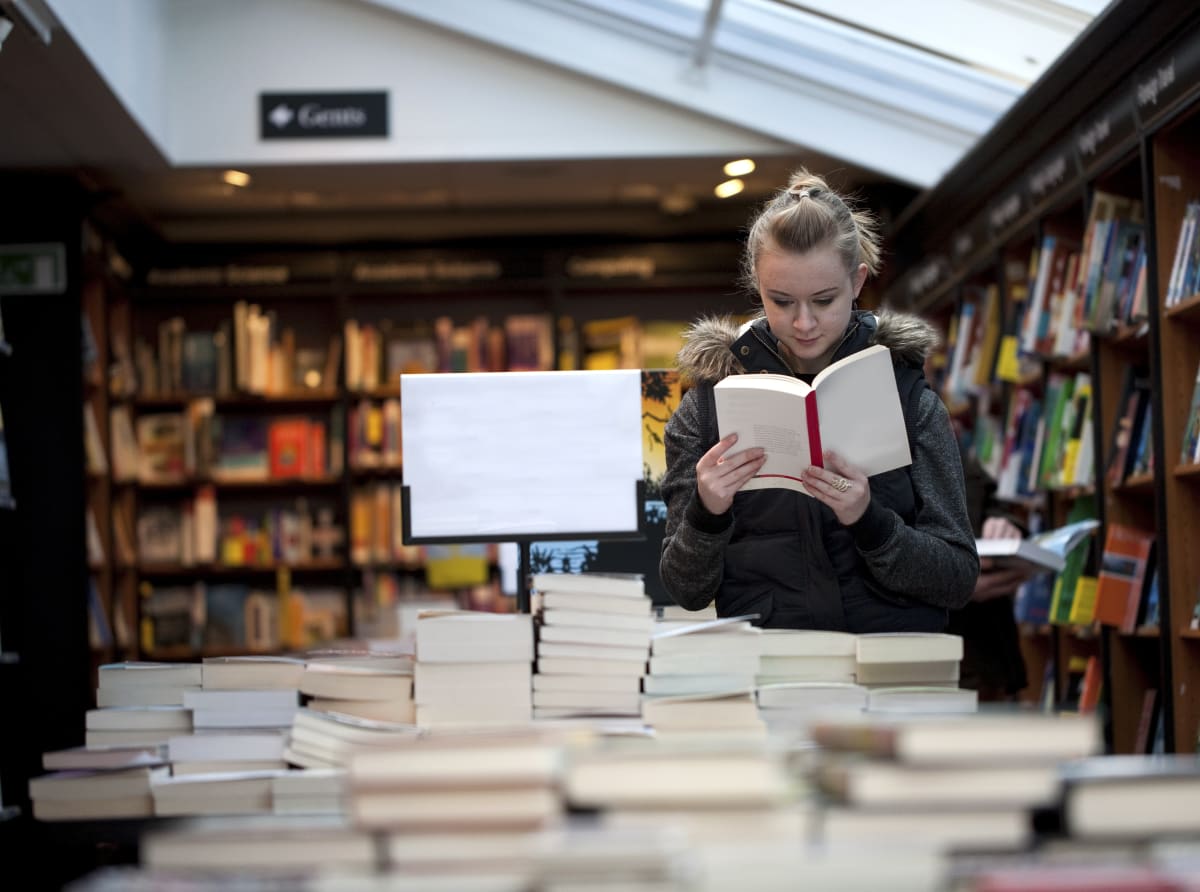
{"x":515,"y":454}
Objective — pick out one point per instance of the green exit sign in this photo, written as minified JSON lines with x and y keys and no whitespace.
{"x":33,"y":269}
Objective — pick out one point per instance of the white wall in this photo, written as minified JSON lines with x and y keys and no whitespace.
{"x":125,"y":40}
{"x":452,"y":98}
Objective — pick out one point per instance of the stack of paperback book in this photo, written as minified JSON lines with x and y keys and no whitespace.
{"x":593,"y":641}
{"x":473,"y":668}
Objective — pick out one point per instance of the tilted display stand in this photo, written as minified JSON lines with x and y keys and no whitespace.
{"x":522,"y":457}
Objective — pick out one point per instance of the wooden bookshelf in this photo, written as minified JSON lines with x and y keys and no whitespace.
{"x":1134,"y":136}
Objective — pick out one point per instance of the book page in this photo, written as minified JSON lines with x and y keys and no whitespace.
{"x":860,"y":412}
{"x":767,"y":411}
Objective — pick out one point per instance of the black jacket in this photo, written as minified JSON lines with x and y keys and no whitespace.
{"x":784,"y":555}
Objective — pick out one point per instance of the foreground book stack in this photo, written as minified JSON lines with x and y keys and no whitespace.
{"x":948,"y":782}
{"x":458,"y":782}
{"x":593,"y":640}
{"x":912,"y":672}
{"x":473,"y":668}
{"x":368,"y":686}
{"x":705,"y":657}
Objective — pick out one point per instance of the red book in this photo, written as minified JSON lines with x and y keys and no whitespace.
{"x":289,"y":443}
{"x":1123,"y":572}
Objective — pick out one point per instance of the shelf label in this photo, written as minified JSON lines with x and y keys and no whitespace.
{"x":33,"y":268}
{"x":323,"y":115}
{"x":1104,"y":130}
{"x":1160,"y":84}
{"x":1006,"y":211}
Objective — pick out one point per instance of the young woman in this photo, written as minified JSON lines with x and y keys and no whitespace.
{"x":893,"y":552}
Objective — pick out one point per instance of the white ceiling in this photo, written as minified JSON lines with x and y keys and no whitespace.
{"x":804,"y":77}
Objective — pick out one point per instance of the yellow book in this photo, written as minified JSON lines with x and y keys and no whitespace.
{"x":1083,"y":607}
{"x":1008,"y":363}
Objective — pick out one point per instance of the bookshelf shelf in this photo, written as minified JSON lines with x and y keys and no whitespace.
{"x":1137,"y":484}
{"x":1186,"y":310}
{"x":270,"y":484}
{"x":202,"y":570}
{"x":1129,"y":227}
{"x":272,"y":402}
{"x":379,"y":471}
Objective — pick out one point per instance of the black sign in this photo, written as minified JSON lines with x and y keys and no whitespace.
{"x":1053,"y":172}
{"x":1005,"y":211}
{"x":1102,"y":131}
{"x":1161,"y":84}
{"x":322,"y":115}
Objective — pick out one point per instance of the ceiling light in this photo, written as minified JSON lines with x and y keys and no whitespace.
{"x":238,"y":178}
{"x":729,"y":188}
{"x":739,"y":168}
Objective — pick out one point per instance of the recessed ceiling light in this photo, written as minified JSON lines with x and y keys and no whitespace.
{"x":729,"y":188}
{"x":739,"y":168}
{"x":237,"y":178}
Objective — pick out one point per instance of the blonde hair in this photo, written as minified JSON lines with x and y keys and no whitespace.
{"x":805,"y":215}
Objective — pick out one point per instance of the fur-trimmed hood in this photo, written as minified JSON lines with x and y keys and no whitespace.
{"x":706,"y":355}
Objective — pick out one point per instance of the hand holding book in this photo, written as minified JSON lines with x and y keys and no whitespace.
{"x":720,"y":473}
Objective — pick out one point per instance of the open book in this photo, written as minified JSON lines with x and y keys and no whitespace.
{"x":851,"y":407}
{"x":1047,"y":550}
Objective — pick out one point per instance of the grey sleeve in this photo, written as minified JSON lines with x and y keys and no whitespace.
{"x":934,"y":560}
{"x":692,"y":559}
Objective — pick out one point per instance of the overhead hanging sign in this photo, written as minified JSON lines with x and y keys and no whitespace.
{"x":322,"y":115}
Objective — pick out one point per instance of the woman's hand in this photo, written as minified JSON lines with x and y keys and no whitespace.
{"x":996,"y":580}
{"x":719,"y":474}
{"x":839,"y":485}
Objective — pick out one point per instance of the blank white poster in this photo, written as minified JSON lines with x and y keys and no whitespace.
{"x":521,"y":453}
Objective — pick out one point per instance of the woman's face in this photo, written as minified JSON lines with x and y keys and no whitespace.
{"x":808,"y":298}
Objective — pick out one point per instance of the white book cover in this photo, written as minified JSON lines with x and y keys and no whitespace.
{"x":252,"y":671}
{"x":555,"y":616}
{"x":260,"y":745}
{"x":630,"y":638}
{"x":627,"y":702}
{"x":923,"y":700}
{"x":615,"y":683}
{"x":812,"y":694}
{"x":908,"y":647}
{"x":550,"y":666}
{"x":244,"y":699}
{"x":807,"y":643}
{"x":630,"y":585}
{"x":141,"y":695}
{"x":553,"y":649}
{"x":474,"y":636}
{"x":79,"y":758}
{"x":596,"y":603}
{"x":135,"y":718}
{"x":149,"y":673}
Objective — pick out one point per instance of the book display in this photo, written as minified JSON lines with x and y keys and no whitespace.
{"x":1088,"y":235}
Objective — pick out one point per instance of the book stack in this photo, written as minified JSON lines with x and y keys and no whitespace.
{"x":954,"y":782}
{"x":376,"y":687}
{"x":84,"y":784}
{"x":232,"y":793}
{"x":791,"y":707}
{"x":134,"y":725}
{"x":593,"y":642}
{"x":913,"y":672}
{"x":145,"y":683}
{"x":242,"y":709}
{"x":225,"y":751}
{"x":473,"y":668}
{"x":313,"y":791}
{"x":709,"y":656}
{"x":461,"y":782}
{"x":326,"y":739}
{"x":242,"y":848}
{"x":790,"y":655}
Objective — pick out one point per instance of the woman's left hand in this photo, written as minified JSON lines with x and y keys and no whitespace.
{"x":841,"y":486}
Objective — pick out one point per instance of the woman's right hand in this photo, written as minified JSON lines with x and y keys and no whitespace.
{"x":719,"y":474}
